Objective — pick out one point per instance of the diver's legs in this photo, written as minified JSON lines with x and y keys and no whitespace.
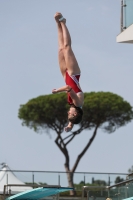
{"x":61,"y":58}
{"x":70,"y":59}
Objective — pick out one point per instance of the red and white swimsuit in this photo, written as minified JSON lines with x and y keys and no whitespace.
{"x":73,"y":82}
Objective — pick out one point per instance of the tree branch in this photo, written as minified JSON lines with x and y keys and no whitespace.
{"x":59,"y":142}
{"x":85,"y":149}
{"x":70,"y":140}
{"x":74,"y":134}
{"x":68,"y":136}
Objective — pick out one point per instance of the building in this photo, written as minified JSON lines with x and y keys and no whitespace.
{"x":126,"y":24}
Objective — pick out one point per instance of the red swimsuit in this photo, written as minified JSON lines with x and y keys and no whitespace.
{"x":73,"y":82}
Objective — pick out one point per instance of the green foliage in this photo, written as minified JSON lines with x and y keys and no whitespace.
{"x":94,"y":183}
{"x":67,"y":194}
{"x":49,"y":111}
{"x":118,"y":179}
{"x":130,"y":170}
{"x":104,"y":109}
{"x":94,"y":191}
{"x":80,"y":185}
{"x":99,"y":183}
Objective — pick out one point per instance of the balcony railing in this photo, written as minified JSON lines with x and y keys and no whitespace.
{"x":126,"y":14}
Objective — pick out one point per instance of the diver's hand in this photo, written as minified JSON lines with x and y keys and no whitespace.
{"x":54,"y":91}
{"x":67,"y":129}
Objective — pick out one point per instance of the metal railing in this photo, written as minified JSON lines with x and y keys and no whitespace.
{"x":121,"y":183}
{"x":121,"y":190}
{"x":94,"y":192}
{"x":117,"y":191}
{"x":90,"y":192}
{"x":60,"y":178}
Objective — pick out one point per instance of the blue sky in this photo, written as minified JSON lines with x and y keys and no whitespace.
{"x":29,"y":68}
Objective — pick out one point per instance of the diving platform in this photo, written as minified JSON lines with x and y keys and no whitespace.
{"x":39,"y":193}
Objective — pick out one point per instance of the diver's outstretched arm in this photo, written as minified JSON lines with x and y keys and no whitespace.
{"x":69,"y":127}
{"x":65,"y":88}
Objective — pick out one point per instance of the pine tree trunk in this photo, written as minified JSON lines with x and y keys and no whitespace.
{"x":70,"y":182}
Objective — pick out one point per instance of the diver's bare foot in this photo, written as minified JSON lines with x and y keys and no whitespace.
{"x":59,"y":18}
